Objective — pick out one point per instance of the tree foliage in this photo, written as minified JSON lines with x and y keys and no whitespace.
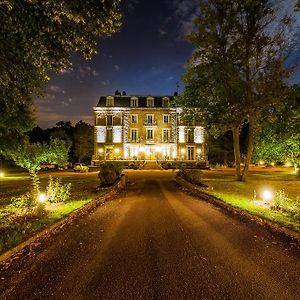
{"x":237,"y":72}
{"x":38,"y":36}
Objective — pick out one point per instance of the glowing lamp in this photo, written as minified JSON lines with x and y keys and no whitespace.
{"x":42,"y":198}
{"x":2,"y":174}
{"x":100,"y":150}
{"x":199,"y":151}
{"x":182,"y":151}
{"x":117,"y":150}
{"x":267,"y":195}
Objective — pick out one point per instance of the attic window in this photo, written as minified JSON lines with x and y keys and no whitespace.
{"x":165,"y":102}
{"x":134,"y":102}
{"x":109,"y":101}
{"x":150,"y":102}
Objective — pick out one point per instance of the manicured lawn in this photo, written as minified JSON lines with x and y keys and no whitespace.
{"x":222,"y":184}
{"x":84,"y":189}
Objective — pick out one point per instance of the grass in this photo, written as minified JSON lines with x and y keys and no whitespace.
{"x":222,"y":184}
{"x":83,"y":191}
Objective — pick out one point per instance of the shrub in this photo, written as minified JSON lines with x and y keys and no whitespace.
{"x":24,"y":202}
{"x":193,"y":176}
{"x":57,"y":191}
{"x":109,"y":173}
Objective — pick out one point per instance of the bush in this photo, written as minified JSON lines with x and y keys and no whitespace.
{"x":109,"y":173}
{"x":24,"y":202}
{"x":57,"y":191}
{"x":193,"y":176}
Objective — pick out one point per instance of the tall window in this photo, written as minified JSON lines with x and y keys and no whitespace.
{"x":134,"y":135}
{"x":109,"y":101}
{"x":190,"y":136}
{"x":150,"y":119}
{"x":150,"y":102}
{"x":109,"y":136}
{"x":149,"y":134}
{"x":109,"y":120}
{"x":134,"y":102}
{"x":166,"y":135}
{"x":166,"y":119}
{"x":134,"y":119}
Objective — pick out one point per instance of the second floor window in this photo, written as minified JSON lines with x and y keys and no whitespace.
{"x":109,"y":120}
{"x":134,"y":119}
{"x":166,"y":119}
{"x":190,"y":136}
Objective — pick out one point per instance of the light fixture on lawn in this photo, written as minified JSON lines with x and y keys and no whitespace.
{"x":267,"y":195}
{"x":2,"y":174}
{"x":42,"y":197}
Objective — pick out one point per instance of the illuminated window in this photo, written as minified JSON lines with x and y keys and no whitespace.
{"x":166,"y":119}
{"x":109,"y":101}
{"x":134,"y":135}
{"x":149,"y":134}
{"x":150,"y":102}
{"x":134,"y":119}
{"x":134,"y":102}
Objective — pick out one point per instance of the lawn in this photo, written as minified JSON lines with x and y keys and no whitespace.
{"x":83,"y":190}
{"x":247,"y":194}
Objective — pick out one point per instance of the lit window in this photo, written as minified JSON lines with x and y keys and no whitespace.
{"x":109,"y":101}
{"x":150,"y":102}
{"x":134,"y":119}
{"x":166,"y":119}
{"x":134,"y":102}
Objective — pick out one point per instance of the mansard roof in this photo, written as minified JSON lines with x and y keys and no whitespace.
{"x":124,"y":101}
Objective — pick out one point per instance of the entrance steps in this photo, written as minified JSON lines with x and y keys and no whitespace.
{"x":151,"y":165}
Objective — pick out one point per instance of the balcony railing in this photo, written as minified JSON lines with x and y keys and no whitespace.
{"x":150,"y":123}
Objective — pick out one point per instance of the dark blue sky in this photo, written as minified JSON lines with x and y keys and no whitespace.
{"x":146,"y":57}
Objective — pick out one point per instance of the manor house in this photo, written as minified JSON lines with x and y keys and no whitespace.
{"x":145,"y":128}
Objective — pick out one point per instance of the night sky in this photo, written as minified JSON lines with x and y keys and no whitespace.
{"x":146,"y":57}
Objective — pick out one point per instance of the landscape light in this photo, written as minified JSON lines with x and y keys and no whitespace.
{"x":2,"y":174}
{"x":42,"y":197}
{"x":267,"y":195}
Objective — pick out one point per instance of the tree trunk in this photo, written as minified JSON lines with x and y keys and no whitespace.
{"x":250,"y":147}
{"x":237,"y":152}
{"x":35,"y":182}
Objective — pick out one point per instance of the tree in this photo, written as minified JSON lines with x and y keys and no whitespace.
{"x":37,"y":37}
{"x":279,"y":141}
{"x":31,"y":156}
{"x":237,"y":72}
{"x":83,"y":141}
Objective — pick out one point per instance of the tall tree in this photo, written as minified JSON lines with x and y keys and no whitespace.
{"x":237,"y":72}
{"x":83,"y":141}
{"x":38,"y":36}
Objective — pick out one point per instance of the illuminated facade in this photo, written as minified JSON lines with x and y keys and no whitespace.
{"x":144,"y":128}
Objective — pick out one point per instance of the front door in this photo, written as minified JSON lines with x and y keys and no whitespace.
{"x":191,"y":153}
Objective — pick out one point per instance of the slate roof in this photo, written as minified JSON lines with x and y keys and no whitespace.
{"x":124,"y":101}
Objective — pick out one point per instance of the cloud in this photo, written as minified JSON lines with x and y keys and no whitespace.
{"x":55,"y":89}
{"x":105,"y":82}
{"x":162,"y":32}
{"x":170,"y":78}
{"x":130,"y":6}
{"x":184,"y":12}
{"x":87,"y":71}
{"x":117,"y":67}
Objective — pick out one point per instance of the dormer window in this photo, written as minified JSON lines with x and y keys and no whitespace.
{"x":134,"y":102}
{"x":150,"y":102}
{"x":109,"y":101}
{"x":165,"y":102}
